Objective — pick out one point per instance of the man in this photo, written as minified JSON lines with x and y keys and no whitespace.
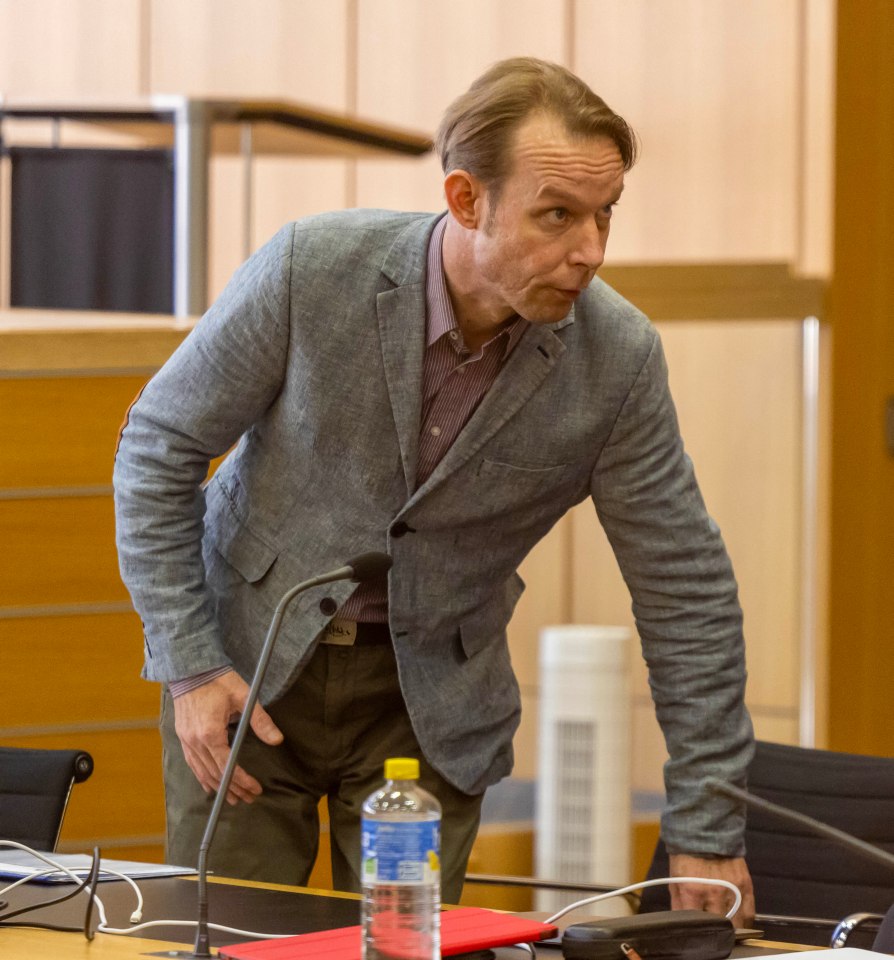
{"x":442,"y":388}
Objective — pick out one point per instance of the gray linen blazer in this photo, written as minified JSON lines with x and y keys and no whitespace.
{"x":310,"y":362}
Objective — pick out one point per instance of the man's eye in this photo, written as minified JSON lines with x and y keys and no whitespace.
{"x":558,"y":215}
{"x":607,"y":210}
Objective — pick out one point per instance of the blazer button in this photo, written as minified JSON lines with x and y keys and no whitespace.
{"x":328,"y":606}
{"x":400,"y":528}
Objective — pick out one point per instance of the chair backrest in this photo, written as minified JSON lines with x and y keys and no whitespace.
{"x":34,"y":790}
{"x":796,"y":873}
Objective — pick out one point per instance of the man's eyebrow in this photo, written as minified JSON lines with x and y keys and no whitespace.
{"x":548,"y":193}
{"x":552,"y":194}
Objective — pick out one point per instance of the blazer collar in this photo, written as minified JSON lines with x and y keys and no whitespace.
{"x":405,"y":261}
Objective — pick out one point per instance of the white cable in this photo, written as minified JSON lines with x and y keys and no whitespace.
{"x":737,"y":902}
{"x":526,"y":946}
{"x":135,"y":917}
{"x":31,"y":876}
{"x":59,"y":868}
{"x":102,"y":926}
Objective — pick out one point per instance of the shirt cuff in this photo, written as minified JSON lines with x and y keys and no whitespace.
{"x":179,"y":687}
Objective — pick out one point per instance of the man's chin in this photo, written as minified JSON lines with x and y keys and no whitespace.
{"x":547,"y":314}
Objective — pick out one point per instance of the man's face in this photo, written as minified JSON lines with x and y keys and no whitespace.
{"x":542,"y":241}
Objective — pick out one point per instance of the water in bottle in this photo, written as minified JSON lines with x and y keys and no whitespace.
{"x":401,"y":868}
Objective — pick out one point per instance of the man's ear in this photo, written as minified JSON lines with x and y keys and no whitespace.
{"x":465,"y":195}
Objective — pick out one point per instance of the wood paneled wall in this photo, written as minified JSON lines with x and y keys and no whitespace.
{"x":861,"y":307}
{"x":732,"y":100}
{"x":71,"y":642}
{"x":733,"y":105}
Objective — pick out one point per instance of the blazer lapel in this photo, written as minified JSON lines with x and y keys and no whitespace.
{"x":532,"y":360}
{"x":401,"y":314}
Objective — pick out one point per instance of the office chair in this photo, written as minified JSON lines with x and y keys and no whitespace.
{"x":34,"y":790}
{"x":796,"y":874}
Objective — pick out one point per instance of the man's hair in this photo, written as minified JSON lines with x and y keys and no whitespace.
{"x":476,"y":130}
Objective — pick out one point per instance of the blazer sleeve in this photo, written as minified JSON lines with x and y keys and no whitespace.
{"x":685,"y":601}
{"x":218,"y":383}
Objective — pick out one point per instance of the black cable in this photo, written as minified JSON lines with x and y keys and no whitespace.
{"x":92,"y":880}
{"x":45,"y":903}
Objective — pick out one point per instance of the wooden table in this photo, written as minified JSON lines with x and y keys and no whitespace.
{"x":261,"y":907}
{"x":264,"y":907}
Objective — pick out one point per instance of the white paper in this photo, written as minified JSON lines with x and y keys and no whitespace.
{"x":15,"y":864}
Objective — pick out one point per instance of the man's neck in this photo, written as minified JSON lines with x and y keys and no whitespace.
{"x":476,"y":320}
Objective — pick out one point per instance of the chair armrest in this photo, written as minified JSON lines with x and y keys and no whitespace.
{"x":846,"y":927}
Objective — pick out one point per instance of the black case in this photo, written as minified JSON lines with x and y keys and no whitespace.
{"x":665,"y":935}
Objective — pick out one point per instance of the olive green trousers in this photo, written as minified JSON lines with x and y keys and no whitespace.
{"x":341,"y":719}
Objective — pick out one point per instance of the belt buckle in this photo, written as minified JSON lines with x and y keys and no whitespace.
{"x":339,"y":633}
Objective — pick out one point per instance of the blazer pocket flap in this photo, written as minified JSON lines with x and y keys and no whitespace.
{"x":245,"y":551}
{"x":528,"y":476}
{"x":486,"y":625}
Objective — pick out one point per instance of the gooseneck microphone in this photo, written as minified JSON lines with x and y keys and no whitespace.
{"x":367,"y":566}
{"x":808,"y":823}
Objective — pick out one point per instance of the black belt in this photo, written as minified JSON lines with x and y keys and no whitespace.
{"x":372,"y":634}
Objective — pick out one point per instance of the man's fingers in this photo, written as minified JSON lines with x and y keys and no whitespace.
{"x":745,"y":917}
{"x":242,"y":787}
{"x":201,"y":719}
{"x":208,"y":762}
{"x":202,"y":773}
{"x":700,"y":896}
{"x":212,"y":763}
{"x":264,"y":728}
{"x":712,"y":897}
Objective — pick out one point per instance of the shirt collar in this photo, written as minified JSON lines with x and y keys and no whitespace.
{"x":440,"y":318}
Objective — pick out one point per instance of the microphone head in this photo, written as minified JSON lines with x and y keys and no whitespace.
{"x":368,"y":566}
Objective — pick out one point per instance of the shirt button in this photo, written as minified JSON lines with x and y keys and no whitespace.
{"x":436,"y":431}
{"x":453,"y":335}
{"x":328,"y":606}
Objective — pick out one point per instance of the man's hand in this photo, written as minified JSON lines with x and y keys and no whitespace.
{"x":703,"y":896}
{"x":201,"y":718}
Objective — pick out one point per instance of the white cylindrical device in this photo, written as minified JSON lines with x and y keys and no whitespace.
{"x":583,"y":788}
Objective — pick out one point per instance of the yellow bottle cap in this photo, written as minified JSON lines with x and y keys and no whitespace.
{"x":402,"y":768}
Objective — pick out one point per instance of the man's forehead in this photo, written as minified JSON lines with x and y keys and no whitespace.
{"x":543,"y":146}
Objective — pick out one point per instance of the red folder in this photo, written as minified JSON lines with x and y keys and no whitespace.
{"x":462,"y":931}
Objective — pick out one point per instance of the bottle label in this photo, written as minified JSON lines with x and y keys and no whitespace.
{"x":396,"y":852}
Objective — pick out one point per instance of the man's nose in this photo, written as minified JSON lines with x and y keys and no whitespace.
{"x":589,"y":250}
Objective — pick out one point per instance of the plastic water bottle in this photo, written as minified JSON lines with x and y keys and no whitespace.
{"x":401,"y":868}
